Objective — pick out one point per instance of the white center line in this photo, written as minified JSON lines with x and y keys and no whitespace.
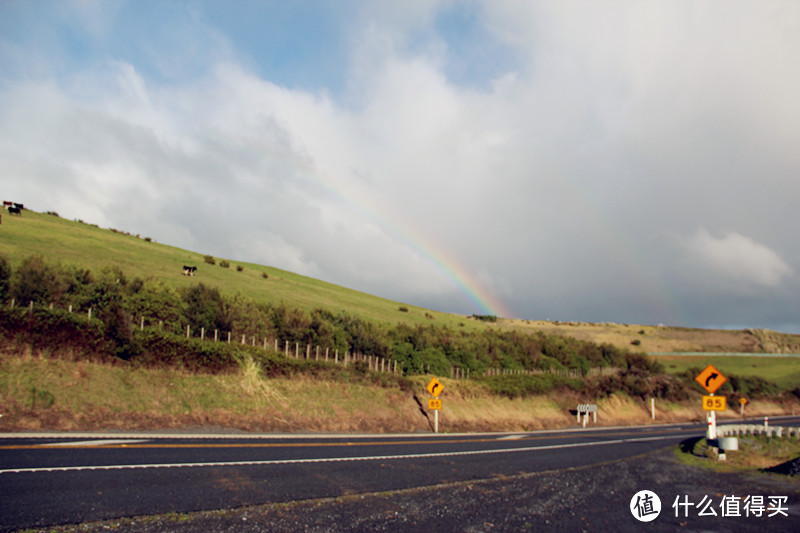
{"x":325,"y":459}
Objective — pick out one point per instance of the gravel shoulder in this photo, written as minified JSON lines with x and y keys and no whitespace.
{"x":595,"y":498}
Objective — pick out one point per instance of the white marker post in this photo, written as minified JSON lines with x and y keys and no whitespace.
{"x":712,"y":425}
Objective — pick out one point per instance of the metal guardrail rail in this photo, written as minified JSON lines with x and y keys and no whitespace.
{"x":741,"y":430}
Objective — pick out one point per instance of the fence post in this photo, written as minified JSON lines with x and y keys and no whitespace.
{"x":202,"y":333}
{"x":215,"y":335}
{"x":229,"y":337}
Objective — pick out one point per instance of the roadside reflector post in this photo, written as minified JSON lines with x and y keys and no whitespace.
{"x":766,"y":422}
{"x":653,"y":408}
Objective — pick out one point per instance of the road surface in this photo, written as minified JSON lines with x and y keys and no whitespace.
{"x":60,"y":479}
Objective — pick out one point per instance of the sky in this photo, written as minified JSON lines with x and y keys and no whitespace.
{"x":618,"y":161}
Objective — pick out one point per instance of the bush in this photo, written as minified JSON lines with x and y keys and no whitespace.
{"x":210,"y":260}
{"x":224,"y":264}
{"x":239,"y":268}
{"x":38,"y":282}
{"x":205,"y":308}
{"x":5,"y":276}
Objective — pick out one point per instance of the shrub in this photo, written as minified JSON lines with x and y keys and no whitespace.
{"x":265,"y":275}
{"x":205,"y":308}
{"x":224,"y":264}
{"x":403,"y":309}
{"x":210,"y":260}
{"x":239,"y":268}
{"x":5,"y":276}
{"x":36,"y":281}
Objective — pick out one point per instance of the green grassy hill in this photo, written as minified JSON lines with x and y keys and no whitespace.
{"x":83,"y":245}
{"x":46,"y":354}
{"x":88,"y":246}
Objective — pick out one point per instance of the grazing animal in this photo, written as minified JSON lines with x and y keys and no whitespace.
{"x":189,"y":270}
{"x":7,"y":204}
{"x":15,"y":210}
{"x":19,"y":206}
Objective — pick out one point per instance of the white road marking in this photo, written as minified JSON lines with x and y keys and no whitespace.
{"x":96,"y":442}
{"x":326,"y":459}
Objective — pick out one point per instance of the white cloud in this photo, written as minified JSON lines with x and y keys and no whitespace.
{"x":739,"y":258}
{"x":554,"y":184}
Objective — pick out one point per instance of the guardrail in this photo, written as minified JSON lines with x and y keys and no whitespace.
{"x":741,"y":430}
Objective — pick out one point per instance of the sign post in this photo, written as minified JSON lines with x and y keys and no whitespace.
{"x":435,"y":388}
{"x":742,"y":403}
{"x":711,"y":379}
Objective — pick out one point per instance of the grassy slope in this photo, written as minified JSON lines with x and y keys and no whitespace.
{"x":168,"y":398}
{"x":86,"y":246}
{"x":83,"y":245}
{"x":38,"y":393}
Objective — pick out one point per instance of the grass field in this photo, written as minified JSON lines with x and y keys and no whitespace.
{"x":37,"y":392}
{"x":87,"y":246}
{"x":784,"y":371}
{"x":83,"y":245}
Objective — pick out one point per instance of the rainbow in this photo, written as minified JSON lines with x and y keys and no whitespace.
{"x":358,"y":199}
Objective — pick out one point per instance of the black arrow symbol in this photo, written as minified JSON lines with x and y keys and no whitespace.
{"x":436,"y":386}
{"x":713,"y":376}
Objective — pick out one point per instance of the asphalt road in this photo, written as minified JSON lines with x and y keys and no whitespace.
{"x":60,"y":479}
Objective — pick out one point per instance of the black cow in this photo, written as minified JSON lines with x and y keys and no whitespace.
{"x":15,"y":210}
{"x":19,"y":206}
{"x":189,"y":270}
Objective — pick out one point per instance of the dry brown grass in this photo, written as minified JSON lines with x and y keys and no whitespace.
{"x":664,"y":339}
{"x":101,"y":396}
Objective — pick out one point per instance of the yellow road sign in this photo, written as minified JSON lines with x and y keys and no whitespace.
{"x":711,"y":379}
{"x":434,"y":404}
{"x":715,"y":403}
{"x":742,"y":401}
{"x":435,"y":387}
